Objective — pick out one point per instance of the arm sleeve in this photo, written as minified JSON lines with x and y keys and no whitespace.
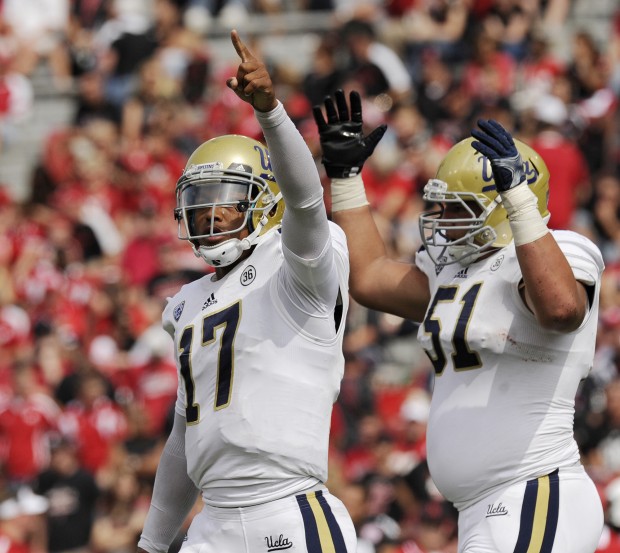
{"x":307,"y":242}
{"x":305,"y":230}
{"x":583,"y":256}
{"x":174,"y":494}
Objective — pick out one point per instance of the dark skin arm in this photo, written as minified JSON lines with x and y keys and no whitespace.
{"x":377,"y":281}
{"x":557,"y":300}
{"x":550,"y":289}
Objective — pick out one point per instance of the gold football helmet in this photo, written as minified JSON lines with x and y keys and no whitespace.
{"x":465,"y":177}
{"x":228,"y":171}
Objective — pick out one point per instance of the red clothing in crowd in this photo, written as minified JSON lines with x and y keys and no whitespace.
{"x":24,"y":424}
{"x":154,"y":387}
{"x":139,"y":260}
{"x":380,"y":187}
{"x":9,"y":545}
{"x":359,"y":461}
{"x":490,"y":80}
{"x":95,"y":430}
{"x":569,"y":175}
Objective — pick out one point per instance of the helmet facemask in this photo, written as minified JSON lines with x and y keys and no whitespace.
{"x":477,"y":237}
{"x":212,"y":187}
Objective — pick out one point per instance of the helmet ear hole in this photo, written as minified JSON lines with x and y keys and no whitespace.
{"x":243,"y":206}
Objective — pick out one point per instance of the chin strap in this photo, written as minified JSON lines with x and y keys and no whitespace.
{"x":229,"y":251}
{"x":223,"y":254}
{"x":467,"y":254}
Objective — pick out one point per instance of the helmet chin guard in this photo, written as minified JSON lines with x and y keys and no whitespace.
{"x":478,"y":236}
{"x":229,"y":251}
{"x":223,"y":254}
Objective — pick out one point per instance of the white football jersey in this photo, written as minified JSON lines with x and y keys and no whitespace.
{"x":260,"y":366}
{"x":503,"y":399}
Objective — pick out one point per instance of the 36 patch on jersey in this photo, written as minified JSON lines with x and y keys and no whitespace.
{"x":178,"y":310}
{"x":248,"y":275}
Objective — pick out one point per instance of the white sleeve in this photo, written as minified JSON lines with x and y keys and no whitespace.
{"x":583,"y":256}
{"x":174,"y":494}
{"x":423,"y":262}
{"x":306,"y":237}
{"x":305,"y":228}
{"x":312,"y":285}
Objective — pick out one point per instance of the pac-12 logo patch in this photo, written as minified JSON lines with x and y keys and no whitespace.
{"x":178,"y":310}
{"x":248,"y":275}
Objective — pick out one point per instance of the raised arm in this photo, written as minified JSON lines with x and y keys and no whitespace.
{"x":559,"y":301}
{"x":291,"y":159}
{"x":376,"y":281}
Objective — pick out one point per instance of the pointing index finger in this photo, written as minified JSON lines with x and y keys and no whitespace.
{"x":242,"y":50}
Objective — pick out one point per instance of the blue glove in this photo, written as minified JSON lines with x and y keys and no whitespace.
{"x":496,"y":144}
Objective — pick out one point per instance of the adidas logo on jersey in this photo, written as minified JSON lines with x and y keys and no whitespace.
{"x":439,"y":268}
{"x":210,"y":301}
{"x":461,"y":274}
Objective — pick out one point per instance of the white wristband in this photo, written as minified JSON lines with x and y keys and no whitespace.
{"x":526,"y":222}
{"x":348,"y":193}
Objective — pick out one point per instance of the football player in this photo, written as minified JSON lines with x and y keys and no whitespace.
{"x":258,"y":345}
{"x":508,"y":316}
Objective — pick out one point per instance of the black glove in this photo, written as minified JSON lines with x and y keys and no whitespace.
{"x":345,"y":148}
{"x":495,"y":143}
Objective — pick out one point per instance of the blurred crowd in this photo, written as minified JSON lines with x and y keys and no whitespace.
{"x":87,"y":378}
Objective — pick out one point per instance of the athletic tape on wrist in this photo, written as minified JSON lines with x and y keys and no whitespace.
{"x":348,"y":193}
{"x":526,"y":222}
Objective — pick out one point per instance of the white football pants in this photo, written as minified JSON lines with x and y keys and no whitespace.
{"x":311,"y":522}
{"x":557,"y":513}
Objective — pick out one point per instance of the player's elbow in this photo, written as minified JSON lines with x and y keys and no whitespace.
{"x":360,"y":293}
{"x":562,"y":317}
